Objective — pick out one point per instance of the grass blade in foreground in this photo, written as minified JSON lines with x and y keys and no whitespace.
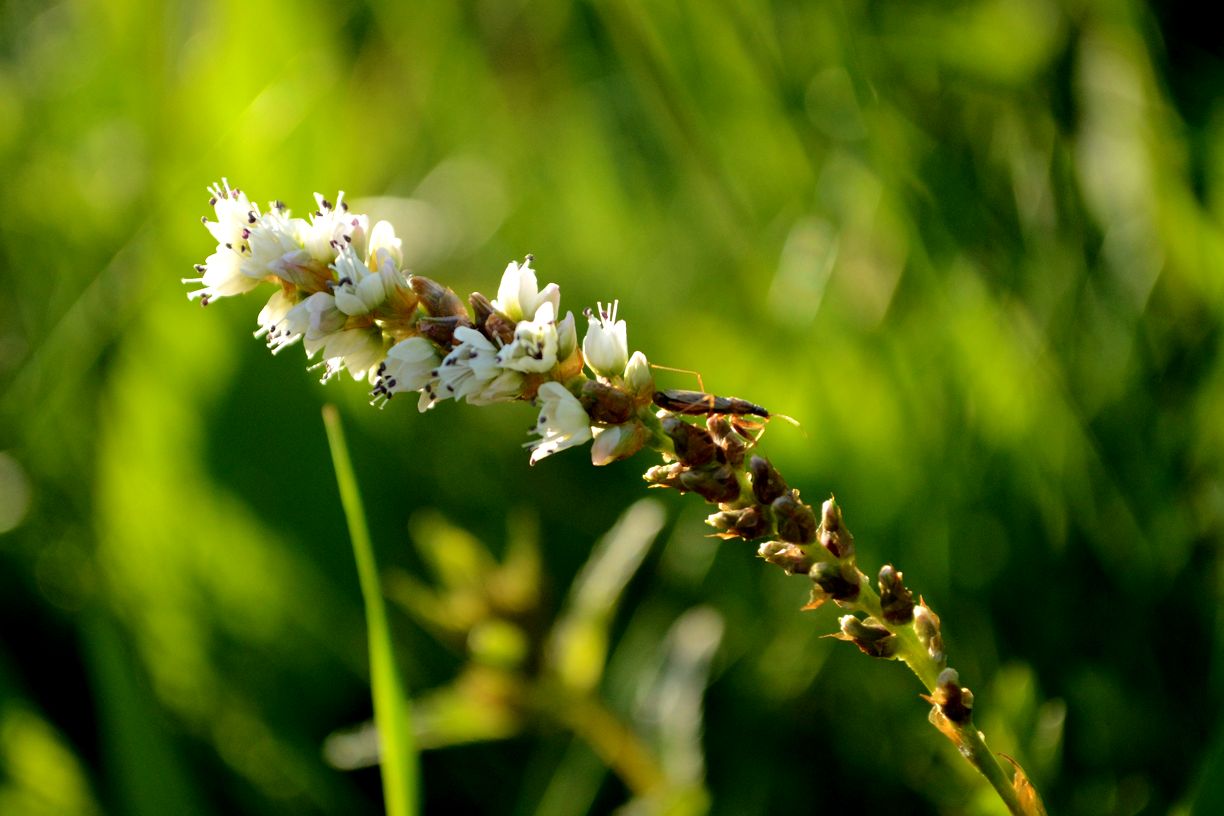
{"x":391,"y":711}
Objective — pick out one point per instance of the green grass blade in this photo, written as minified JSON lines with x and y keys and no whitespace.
{"x":391,"y":709}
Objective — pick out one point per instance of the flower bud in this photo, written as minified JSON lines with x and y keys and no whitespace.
{"x":832,"y":582}
{"x":926,"y":626}
{"x":767,"y":483}
{"x":733,"y":445}
{"x":617,"y":442}
{"x":790,"y":558}
{"x":605,"y":403}
{"x":441,"y":330}
{"x":955,"y":702}
{"x":567,"y":337}
{"x":666,"y":476}
{"x":694,"y":446}
{"x":869,"y":635}
{"x":834,"y":536}
{"x":896,"y":601}
{"x":481,"y":308}
{"x":638,"y":377}
{"x":744,"y":522}
{"x":436,"y":299}
{"x":796,"y":521}
{"x":717,"y":485}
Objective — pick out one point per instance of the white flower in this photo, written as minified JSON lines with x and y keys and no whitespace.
{"x":471,"y":371}
{"x":606,"y":347}
{"x":274,"y":241}
{"x":519,"y":296}
{"x":331,"y":227}
{"x":224,"y":273}
{"x":534,"y":348}
{"x":563,"y":422}
{"x":383,"y":242}
{"x":409,"y":366}
{"x":358,"y":350}
{"x":283,"y":321}
{"x":358,"y":288}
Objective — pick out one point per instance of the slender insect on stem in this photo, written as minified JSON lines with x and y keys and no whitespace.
{"x":698,"y":402}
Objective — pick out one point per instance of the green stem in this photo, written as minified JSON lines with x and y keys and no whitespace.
{"x":397,"y":754}
{"x":968,"y":739}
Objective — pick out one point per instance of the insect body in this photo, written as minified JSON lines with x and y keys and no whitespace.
{"x":696,"y":403}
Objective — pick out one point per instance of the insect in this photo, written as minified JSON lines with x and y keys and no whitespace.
{"x":701,"y":403}
{"x":696,"y":403}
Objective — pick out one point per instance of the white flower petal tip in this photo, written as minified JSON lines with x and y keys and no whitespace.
{"x":519,"y":296}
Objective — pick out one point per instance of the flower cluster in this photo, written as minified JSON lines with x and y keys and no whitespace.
{"x":342,"y":290}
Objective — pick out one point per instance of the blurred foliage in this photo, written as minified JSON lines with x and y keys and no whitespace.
{"x":975,"y":247}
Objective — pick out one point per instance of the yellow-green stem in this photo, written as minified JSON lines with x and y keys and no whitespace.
{"x":970,"y":743}
{"x":397,"y":753}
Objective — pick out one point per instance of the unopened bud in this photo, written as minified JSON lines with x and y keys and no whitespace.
{"x":744,"y":522}
{"x":482,"y":307}
{"x":834,"y":536}
{"x":666,"y":476}
{"x":441,"y":330}
{"x":896,"y":601}
{"x":693,"y":445}
{"x":638,"y":377}
{"x":926,"y":626}
{"x":796,"y":521}
{"x":767,"y":483}
{"x":499,"y":328}
{"x":436,"y":299}
{"x":733,"y":446}
{"x":790,"y":558}
{"x":717,"y":485}
{"x":606,"y":404}
{"x":869,"y":635}
{"x":617,"y":442}
{"x":832,"y":582}
{"x":567,"y":337}
{"x":955,"y":702}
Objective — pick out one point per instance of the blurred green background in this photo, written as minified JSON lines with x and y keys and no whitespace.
{"x":976,"y":248}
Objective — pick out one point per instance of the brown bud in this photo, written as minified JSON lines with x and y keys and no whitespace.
{"x":716,"y":485}
{"x":834,"y":536}
{"x":744,"y":522}
{"x":436,"y":299}
{"x":796,"y":521}
{"x":869,"y":635}
{"x":790,"y":558}
{"x":926,"y":626}
{"x":829,"y":578}
{"x":767,"y":483}
{"x":694,"y":447}
{"x":482,"y":307}
{"x":955,"y":702}
{"x":441,"y":330}
{"x":896,"y":601}
{"x":734,"y":447}
{"x":499,"y":328}
{"x":605,"y":403}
